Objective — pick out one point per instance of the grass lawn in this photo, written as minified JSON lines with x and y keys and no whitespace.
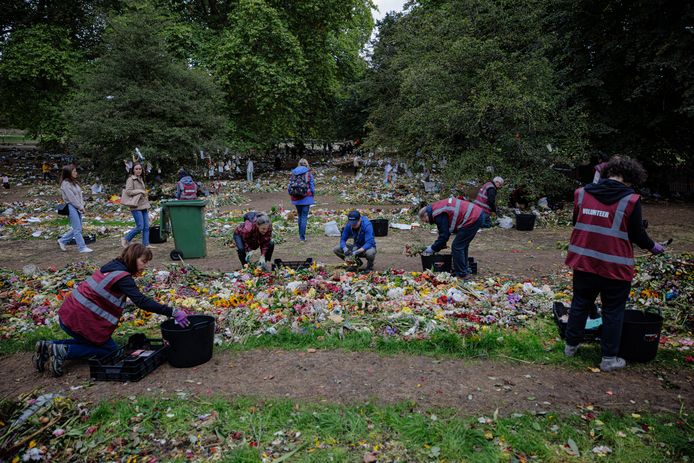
{"x":183,"y":428}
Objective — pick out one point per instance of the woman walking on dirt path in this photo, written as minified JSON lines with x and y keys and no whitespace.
{"x":91,"y":313}
{"x":72,"y":196}
{"x":136,"y":193}
{"x":302,"y":190}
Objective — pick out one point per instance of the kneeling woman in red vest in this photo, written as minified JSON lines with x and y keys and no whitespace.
{"x":91,"y":313}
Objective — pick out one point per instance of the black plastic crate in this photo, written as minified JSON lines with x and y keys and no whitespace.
{"x":380,"y":227}
{"x":294,"y":264}
{"x":473,"y":265}
{"x":88,"y":239}
{"x":437,"y":262}
{"x":129,"y":363}
{"x":559,"y":310}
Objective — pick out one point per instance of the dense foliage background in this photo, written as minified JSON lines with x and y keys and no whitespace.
{"x":515,"y":85}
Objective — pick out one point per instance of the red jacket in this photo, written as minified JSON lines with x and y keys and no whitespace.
{"x":94,"y":308}
{"x":252,"y":238}
{"x":600,"y":240}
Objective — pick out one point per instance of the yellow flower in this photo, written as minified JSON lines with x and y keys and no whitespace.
{"x":406,"y":310}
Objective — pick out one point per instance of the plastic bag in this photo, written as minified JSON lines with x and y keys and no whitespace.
{"x":506,"y":223}
{"x":331,"y":229}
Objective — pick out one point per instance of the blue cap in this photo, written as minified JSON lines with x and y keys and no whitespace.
{"x":353,"y":217}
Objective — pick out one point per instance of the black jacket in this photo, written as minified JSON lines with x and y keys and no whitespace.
{"x":128,"y":287}
{"x":609,"y":192}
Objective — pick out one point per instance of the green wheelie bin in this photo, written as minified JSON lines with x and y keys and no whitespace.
{"x":186,"y":221}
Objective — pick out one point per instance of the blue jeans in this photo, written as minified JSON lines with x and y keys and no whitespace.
{"x":461,"y":245}
{"x":487,"y":222}
{"x":76,"y":224}
{"x":141,"y":225}
{"x":80,"y":348}
{"x":302,"y":211}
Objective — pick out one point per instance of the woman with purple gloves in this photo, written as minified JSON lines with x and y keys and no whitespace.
{"x":302,"y":190}
{"x":92,"y":312}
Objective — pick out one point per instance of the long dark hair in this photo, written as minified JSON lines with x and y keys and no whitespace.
{"x":66,"y":174}
{"x":132,"y":169}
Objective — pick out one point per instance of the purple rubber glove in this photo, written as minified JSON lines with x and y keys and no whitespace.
{"x":658,"y":248}
{"x":181,"y":317}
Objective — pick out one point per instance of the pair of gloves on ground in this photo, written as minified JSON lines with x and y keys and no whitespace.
{"x":349,"y":253}
{"x":267,"y":266}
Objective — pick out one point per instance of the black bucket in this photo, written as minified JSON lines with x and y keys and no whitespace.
{"x":437,"y":263}
{"x":155,"y":235}
{"x":640,"y":335}
{"x":525,"y":222}
{"x":380,"y":227}
{"x":190,"y":346}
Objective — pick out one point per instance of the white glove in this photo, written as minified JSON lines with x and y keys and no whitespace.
{"x":261,"y":261}
{"x":428,"y":251}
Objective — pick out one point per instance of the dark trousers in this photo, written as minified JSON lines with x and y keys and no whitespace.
{"x":241,"y":249}
{"x":613,"y":294}
{"x":79,"y":348}
{"x":486,"y":220}
{"x":460,"y":247}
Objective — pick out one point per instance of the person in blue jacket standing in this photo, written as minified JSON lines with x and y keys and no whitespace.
{"x":358,"y":228}
{"x":302,"y":189}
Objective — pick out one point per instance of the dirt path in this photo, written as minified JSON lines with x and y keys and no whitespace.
{"x":499,"y":252}
{"x":473,"y":387}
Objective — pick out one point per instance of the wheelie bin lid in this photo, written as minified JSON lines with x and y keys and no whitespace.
{"x":184,"y":203}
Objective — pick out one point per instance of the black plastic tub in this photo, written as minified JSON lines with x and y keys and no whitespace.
{"x":472,"y":264}
{"x":559,"y":310}
{"x":88,"y":239}
{"x":192,"y":345}
{"x":640,"y":335}
{"x":437,"y":263}
{"x":525,"y":222}
{"x":380,"y":227}
{"x":129,"y":364}
{"x":155,"y":235}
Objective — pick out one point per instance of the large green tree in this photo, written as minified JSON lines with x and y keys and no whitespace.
{"x":471,"y":80}
{"x":631,"y":65}
{"x":138,"y":94}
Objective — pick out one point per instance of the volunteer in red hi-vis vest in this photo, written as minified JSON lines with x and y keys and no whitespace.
{"x":186,"y":188}
{"x":607,"y":219}
{"x":486,"y":199}
{"x":454,"y":216}
{"x":91,"y":313}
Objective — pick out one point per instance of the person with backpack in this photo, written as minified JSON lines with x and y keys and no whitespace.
{"x":302,"y":190}
{"x":186,"y":188}
{"x":255,"y":233}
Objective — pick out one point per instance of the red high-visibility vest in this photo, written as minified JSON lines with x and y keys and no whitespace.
{"x":482,"y":200}
{"x":188,"y":191}
{"x":461,"y":213}
{"x":600,"y":239}
{"x":93,"y":310}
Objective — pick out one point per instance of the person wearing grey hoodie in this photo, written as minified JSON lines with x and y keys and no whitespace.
{"x":72,"y":196}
